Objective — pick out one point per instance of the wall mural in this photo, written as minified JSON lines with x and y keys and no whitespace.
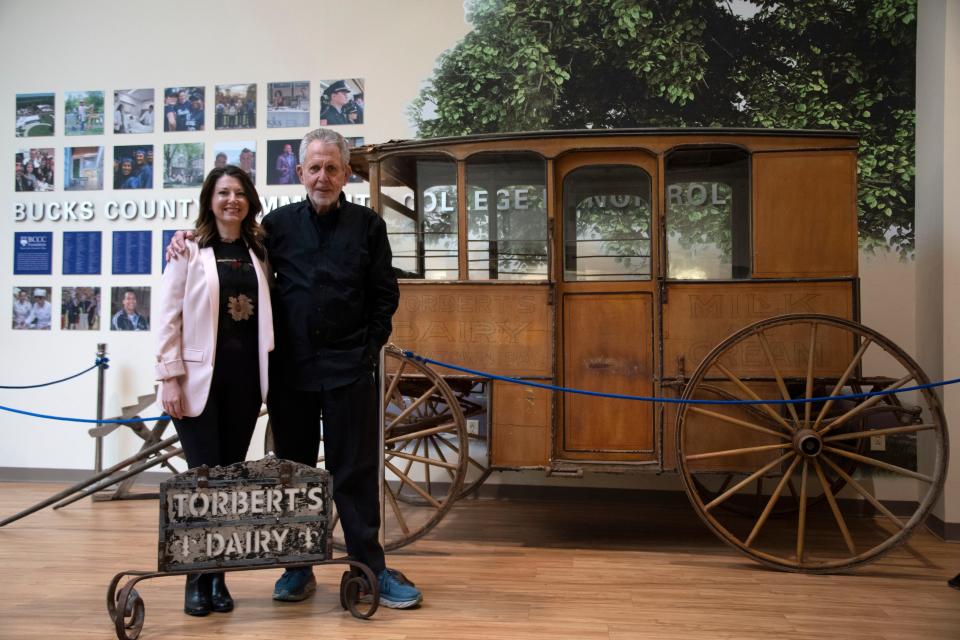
{"x":824,"y":64}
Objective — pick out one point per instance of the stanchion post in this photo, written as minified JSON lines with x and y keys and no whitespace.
{"x":381,"y":385}
{"x":101,"y":369}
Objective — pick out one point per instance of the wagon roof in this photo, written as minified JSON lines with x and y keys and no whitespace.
{"x":363,"y":153}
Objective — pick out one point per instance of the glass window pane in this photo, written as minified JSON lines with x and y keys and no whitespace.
{"x":507,"y":215}
{"x":606,"y":217}
{"x":708,"y":214}
{"x":418,"y":196}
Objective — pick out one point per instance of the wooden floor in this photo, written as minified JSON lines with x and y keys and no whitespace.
{"x":596,"y":569}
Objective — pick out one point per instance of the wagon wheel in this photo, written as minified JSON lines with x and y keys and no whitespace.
{"x":424,"y":468}
{"x":752,"y":500}
{"x":806,"y":450}
{"x":422,"y":424}
{"x":478,"y":444}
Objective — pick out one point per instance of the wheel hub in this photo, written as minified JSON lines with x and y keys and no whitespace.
{"x":808,"y":443}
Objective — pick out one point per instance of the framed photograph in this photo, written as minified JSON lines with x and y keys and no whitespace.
{"x":242,"y":153}
{"x":83,"y":168}
{"x":34,"y":170}
{"x":83,"y":113}
{"x":183,"y":165}
{"x":288,"y":104}
{"x":236,"y":106}
{"x":80,"y":308}
{"x":341,"y":102}
{"x":130,"y":308}
{"x":31,"y":308}
{"x":183,"y":108}
{"x":133,"y":111}
{"x":283,"y":156}
{"x":35,"y":115}
{"x":133,"y":166}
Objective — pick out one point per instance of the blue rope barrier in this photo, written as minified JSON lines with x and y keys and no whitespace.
{"x":85,"y":420}
{"x":100,"y":362}
{"x":619,"y":396}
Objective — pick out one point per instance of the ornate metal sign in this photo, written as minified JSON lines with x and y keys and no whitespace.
{"x":243,"y":515}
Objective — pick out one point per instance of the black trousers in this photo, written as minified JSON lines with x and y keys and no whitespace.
{"x":221,"y":433}
{"x":351,"y":453}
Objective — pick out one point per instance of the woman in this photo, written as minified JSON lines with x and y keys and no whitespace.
{"x":215,"y":330}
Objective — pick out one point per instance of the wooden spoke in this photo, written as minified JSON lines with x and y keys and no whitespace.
{"x":776,"y":372}
{"x":772,"y":501}
{"x":396,"y":453}
{"x":421,"y":434}
{"x":865,"y":405}
{"x":753,"y":476}
{"x":858,"y":435}
{"x":811,"y":356}
{"x":449,"y":467}
{"x":424,"y":460}
{"x":392,"y":389}
{"x":833,"y":507}
{"x":866,"y":494}
{"x":410,"y":408}
{"x":879,"y":463}
{"x":753,"y":396}
{"x":841,"y":382}
{"x":802,"y":516}
{"x":396,"y":512}
{"x":735,"y":452}
{"x":413,"y":485}
{"x":738,"y":422}
{"x":336,"y":519}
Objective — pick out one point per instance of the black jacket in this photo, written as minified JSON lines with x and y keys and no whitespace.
{"x":335,"y":293}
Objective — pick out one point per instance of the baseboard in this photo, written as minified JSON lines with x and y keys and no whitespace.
{"x":947,"y":531}
{"x":25,"y":474}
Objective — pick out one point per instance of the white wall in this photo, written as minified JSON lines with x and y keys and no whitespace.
{"x":938,"y":217}
{"x":64,"y":46}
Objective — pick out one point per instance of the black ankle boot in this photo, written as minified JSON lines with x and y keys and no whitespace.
{"x":196,"y":595}
{"x":220,"y":599}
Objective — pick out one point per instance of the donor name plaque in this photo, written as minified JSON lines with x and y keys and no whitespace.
{"x":244,"y":515}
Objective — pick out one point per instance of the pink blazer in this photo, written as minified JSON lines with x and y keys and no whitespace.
{"x":186,"y":326}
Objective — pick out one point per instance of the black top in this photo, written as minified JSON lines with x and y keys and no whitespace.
{"x":335,"y":293}
{"x":237,"y":324}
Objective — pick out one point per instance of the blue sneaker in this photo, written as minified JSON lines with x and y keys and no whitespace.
{"x":295,"y":585}
{"x":396,"y":592}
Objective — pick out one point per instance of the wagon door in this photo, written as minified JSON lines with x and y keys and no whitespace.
{"x":605,"y":312}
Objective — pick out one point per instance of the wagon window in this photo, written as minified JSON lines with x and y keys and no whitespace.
{"x":606,"y":218}
{"x":507,"y":214}
{"x":418,"y":196}
{"x":708,"y":214}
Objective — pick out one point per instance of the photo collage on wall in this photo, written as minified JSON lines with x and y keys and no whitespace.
{"x":141,"y":161}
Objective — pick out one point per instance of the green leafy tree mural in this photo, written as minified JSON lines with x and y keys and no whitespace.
{"x":819,"y":64}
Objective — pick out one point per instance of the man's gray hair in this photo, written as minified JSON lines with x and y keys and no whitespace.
{"x":325,"y":136}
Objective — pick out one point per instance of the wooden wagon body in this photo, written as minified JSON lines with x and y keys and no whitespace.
{"x":625,"y":262}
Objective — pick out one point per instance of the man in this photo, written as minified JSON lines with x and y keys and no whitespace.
{"x":333,"y":302}
{"x":146,"y":118}
{"x":287,"y":166}
{"x":143,"y":170}
{"x":170,"y":110}
{"x":41,"y":313}
{"x":195,"y":119}
{"x":20,"y":182}
{"x":338,"y":95}
{"x":21,"y":310}
{"x":82,"y":115}
{"x":182,"y":110}
{"x":247,"y":160}
{"x":128,"y":319}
